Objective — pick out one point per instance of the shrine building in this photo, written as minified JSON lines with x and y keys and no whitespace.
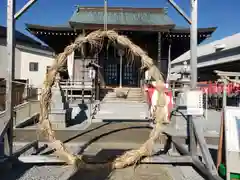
{"x":150,"y":28}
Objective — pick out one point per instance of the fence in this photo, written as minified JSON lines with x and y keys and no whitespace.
{"x":213,"y":93}
{"x":20,"y":93}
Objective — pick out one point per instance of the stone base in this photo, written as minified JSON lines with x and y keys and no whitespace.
{"x":58,"y":119}
{"x":58,"y":125}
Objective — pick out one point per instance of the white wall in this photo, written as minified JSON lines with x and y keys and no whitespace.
{"x":4,"y":62}
{"x":36,"y":78}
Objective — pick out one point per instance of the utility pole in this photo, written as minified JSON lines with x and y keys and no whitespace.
{"x":193,"y":63}
{"x":10,"y":69}
{"x":193,"y":43}
{"x":8,"y":120}
{"x":193,"y":67}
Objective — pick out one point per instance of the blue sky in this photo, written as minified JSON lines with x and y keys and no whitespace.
{"x":224,"y":14}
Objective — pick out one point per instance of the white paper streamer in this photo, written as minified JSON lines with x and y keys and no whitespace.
{"x":70,"y":65}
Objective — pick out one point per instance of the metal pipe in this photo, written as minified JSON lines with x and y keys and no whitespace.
{"x":203,"y":171}
{"x":25,"y":148}
{"x":196,"y":162}
{"x":180,"y":11}
{"x":204,"y":149}
{"x":24,"y":9}
{"x":194,"y":38}
{"x":193,"y":65}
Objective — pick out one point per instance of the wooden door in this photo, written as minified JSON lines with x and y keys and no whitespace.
{"x":111,"y":74}
{"x":130,"y":75}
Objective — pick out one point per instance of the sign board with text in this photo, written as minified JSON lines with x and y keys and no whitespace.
{"x":194,"y":102}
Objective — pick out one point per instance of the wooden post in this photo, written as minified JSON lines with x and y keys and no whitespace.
{"x":83,"y":70}
{"x":220,"y":143}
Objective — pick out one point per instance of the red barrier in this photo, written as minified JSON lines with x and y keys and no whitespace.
{"x":214,"y":88}
{"x":150,"y":90}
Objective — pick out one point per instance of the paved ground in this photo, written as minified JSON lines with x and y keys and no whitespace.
{"x":122,"y":111}
{"x":95,"y":172}
{"x":113,"y":137}
{"x":101,"y":172}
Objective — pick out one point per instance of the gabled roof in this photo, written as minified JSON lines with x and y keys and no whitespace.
{"x":19,"y":36}
{"x":23,"y":41}
{"x":228,"y":43}
{"x":121,"y":16}
{"x":65,"y":27}
{"x":183,"y":29}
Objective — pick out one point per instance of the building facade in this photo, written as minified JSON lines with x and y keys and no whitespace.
{"x":31,"y":59}
{"x":223,"y":54}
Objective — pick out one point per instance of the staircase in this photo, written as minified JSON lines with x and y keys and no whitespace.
{"x":132,"y":95}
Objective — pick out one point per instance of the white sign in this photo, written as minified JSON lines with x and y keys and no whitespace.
{"x":232,"y":139}
{"x":194,"y":103}
{"x":232,"y":123}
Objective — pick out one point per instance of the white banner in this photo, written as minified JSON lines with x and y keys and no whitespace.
{"x":70,"y":65}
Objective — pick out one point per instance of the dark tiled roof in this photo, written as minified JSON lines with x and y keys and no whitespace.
{"x":65,"y":27}
{"x":19,"y":36}
{"x":121,"y":16}
{"x":182,"y":29}
{"x":24,"y":39}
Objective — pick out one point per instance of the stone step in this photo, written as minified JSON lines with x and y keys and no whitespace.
{"x":119,"y":101}
{"x":113,"y":96}
{"x":113,"y":93}
{"x":128,"y":98}
{"x":133,"y":96}
{"x":130,"y":92}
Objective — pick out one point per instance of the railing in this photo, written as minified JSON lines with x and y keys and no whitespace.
{"x":23,"y":111}
{"x":86,"y":84}
{"x":85,"y":91}
{"x":78,"y":90}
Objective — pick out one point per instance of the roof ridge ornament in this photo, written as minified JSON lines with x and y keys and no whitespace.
{"x":78,"y":8}
{"x":165,"y":10}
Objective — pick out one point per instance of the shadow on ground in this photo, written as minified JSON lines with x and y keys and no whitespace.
{"x":95,"y":172}
{"x":80,"y":117}
{"x":16,"y":172}
{"x":100,"y":171}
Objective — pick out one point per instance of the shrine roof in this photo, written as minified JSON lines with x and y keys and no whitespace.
{"x":121,"y":18}
{"x":68,"y":30}
{"x":182,"y":29}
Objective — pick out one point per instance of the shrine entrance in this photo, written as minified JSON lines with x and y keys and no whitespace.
{"x":130,"y":75}
{"x":118,"y":72}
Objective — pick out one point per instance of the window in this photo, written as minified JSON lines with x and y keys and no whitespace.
{"x":33,"y":66}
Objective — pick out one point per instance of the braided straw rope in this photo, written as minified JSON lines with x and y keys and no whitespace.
{"x":96,"y":40}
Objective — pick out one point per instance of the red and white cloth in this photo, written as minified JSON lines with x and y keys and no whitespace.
{"x":152,"y":94}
